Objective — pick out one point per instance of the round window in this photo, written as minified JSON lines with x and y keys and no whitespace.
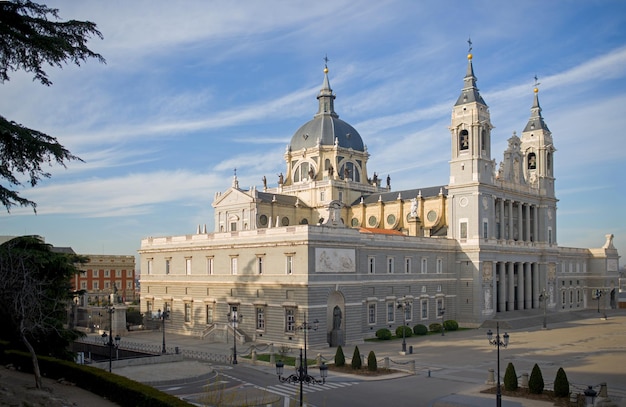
{"x":372,"y":221}
{"x":391,"y":219}
{"x":285,"y":221}
{"x":431,"y":216}
{"x":355,"y":222}
{"x":263,"y":220}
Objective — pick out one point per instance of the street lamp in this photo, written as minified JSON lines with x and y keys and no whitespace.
{"x":110,"y":311}
{"x":497,"y":342}
{"x":590,"y":396}
{"x":235,"y":319}
{"x":306,"y":326}
{"x":301,"y":375}
{"x":163,"y":316}
{"x":543,"y":297}
{"x":404,"y":303}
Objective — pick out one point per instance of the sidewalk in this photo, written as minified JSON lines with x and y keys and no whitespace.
{"x":590,"y":350}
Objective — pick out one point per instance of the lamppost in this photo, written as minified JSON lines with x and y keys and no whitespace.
{"x":163,"y":316}
{"x":110,"y":311}
{"x":306,"y":326}
{"x":497,"y":342}
{"x":597,"y":297}
{"x":404,"y":303}
{"x":543,"y":297}
{"x":301,"y":375}
{"x":590,"y":396}
{"x":234,"y":319}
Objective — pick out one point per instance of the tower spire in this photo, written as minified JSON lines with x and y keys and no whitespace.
{"x":536,"y":121}
{"x":326,"y":97}
{"x":469,"y":92}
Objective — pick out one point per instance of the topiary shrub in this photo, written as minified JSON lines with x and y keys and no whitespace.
{"x":407,"y":331}
{"x":356,"y":359}
{"x":561,"y":384}
{"x":383,"y":333}
{"x":434,"y":327}
{"x":372,"y":364}
{"x":535,"y":383}
{"x":340,"y":359}
{"x":510,"y":378}
{"x":451,"y":325}
{"x":420,"y":329}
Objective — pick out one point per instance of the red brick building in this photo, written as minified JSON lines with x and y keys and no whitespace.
{"x":106,"y":278}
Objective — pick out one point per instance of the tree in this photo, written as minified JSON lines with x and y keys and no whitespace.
{"x":31,"y":36}
{"x":561,"y":384}
{"x":356,"y":359}
{"x":35,"y":291}
{"x":372,"y":363}
{"x":340,"y":359}
{"x":535,"y":383}
{"x":510,"y":378}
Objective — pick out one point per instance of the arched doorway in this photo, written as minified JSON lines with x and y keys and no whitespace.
{"x":336,"y":318}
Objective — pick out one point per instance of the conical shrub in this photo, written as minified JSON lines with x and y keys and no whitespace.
{"x":356,"y":359}
{"x":340,"y":359}
{"x":510,"y":378}
{"x":561,"y":384}
{"x":372,"y":364}
{"x":535,"y":383}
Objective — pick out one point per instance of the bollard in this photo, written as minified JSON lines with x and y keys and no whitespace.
{"x":490,"y":377}
{"x":254,"y":356}
{"x":428,"y":372}
{"x":386,"y":363}
{"x":410,"y":349}
{"x":413,"y":366}
{"x":525,"y":380}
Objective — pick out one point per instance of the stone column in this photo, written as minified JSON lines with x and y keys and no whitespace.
{"x":527,"y":224}
{"x":520,"y":285}
{"x":528,"y":290}
{"x":501,"y":203}
{"x":535,"y":273}
{"x":510,"y":303}
{"x":510,"y":236}
{"x":535,"y":223}
{"x":502,"y":291}
{"x":520,"y":222}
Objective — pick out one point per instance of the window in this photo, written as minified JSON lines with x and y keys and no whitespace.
{"x":439,"y":288}
{"x":371,"y":313}
{"x":149,"y":266}
{"x":289,"y":265}
{"x":106,"y":273}
{"x":118,"y":273}
{"x":83,"y":285}
{"x":233,"y":266}
{"x":408,"y":311}
{"x":463,"y":140}
{"x":463,"y":230}
{"x":440,"y":307}
{"x":391,"y":311}
{"x":149,"y":308}
{"x":407,"y":265}
{"x":260,"y":318}
{"x":129,"y":273}
{"x":188,"y":265}
{"x":129,"y":285}
{"x":371,"y":265}
{"x":95,"y":273}
{"x":166,"y":306}
{"x":390,"y":265}
{"x":322,"y":196}
{"x":485,"y":230}
{"x":259,"y":265}
{"x":118,"y":284}
{"x":424,"y":306}
{"x":439,"y":266}
{"x":549,"y":236}
{"x":290,"y":320}
{"x":187,"y":312}
{"x":167,"y":266}
{"x":107,"y":285}
{"x":424,"y":265}
{"x":209,"y":313}
{"x":209,"y":265}
{"x":96,"y":285}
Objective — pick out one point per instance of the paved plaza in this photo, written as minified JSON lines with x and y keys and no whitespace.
{"x":591,"y":350}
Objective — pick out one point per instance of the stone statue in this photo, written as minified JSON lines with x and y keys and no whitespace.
{"x":388,"y":181}
{"x":264,"y":182}
{"x":281,"y":179}
{"x":336,"y":317}
{"x":413,"y":207}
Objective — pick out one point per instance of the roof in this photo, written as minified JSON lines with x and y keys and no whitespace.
{"x":405,"y":194}
{"x":287,"y":200}
{"x":378,"y":231}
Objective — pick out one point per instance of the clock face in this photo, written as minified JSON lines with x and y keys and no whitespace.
{"x":431,"y":216}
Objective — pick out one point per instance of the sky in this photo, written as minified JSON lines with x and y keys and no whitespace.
{"x":193,"y":90}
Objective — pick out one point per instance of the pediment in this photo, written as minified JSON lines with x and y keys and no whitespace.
{"x":232,"y":197}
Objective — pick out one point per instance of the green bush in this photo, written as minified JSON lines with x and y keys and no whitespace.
{"x":372,"y":364}
{"x":383,"y":333}
{"x":133,"y":316}
{"x":407,"y":331}
{"x":510,"y":378}
{"x":561,"y":384}
{"x":420,"y":329}
{"x":434,"y":327}
{"x":356,"y":359}
{"x":340,"y":359}
{"x":451,"y":325}
{"x":535,"y":383}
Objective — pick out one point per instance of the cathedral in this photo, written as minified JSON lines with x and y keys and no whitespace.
{"x":332,"y":243}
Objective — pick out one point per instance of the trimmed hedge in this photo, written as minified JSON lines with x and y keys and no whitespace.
{"x":407,"y":331}
{"x":535,"y":383}
{"x":118,"y":389}
{"x":384,"y":334}
{"x":510,"y":378}
{"x":434,"y":327}
{"x":372,"y":363}
{"x":356,"y":359}
{"x":451,"y":325}
{"x":561,"y":384}
{"x":420,"y":329}
{"x":340,"y":359}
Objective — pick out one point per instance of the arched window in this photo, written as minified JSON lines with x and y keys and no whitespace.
{"x":532,"y":161}
{"x":483,"y":140}
{"x":463,"y":140}
{"x":350,"y":171}
{"x":303,"y":172}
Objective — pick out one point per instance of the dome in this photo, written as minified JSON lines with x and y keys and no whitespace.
{"x":326,"y":128}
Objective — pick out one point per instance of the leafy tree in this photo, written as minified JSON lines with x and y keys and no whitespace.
{"x":561,"y":384}
{"x":510,"y":378}
{"x":31,"y":36}
{"x":356,"y":359}
{"x":535,"y":383}
{"x":340,"y":359}
{"x":35,"y":291}
{"x":372,"y":363}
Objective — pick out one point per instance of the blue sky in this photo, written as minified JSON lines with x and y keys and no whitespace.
{"x":192,"y":90}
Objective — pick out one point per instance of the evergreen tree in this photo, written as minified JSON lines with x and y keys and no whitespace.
{"x":561,"y":384}
{"x":340,"y":359}
{"x":510,"y":378}
{"x":372,"y":363}
{"x":356,"y":359}
{"x":535,"y":383}
{"x":31,"y":36}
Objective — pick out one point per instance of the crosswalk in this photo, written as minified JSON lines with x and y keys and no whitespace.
{"x":293,"y":390}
